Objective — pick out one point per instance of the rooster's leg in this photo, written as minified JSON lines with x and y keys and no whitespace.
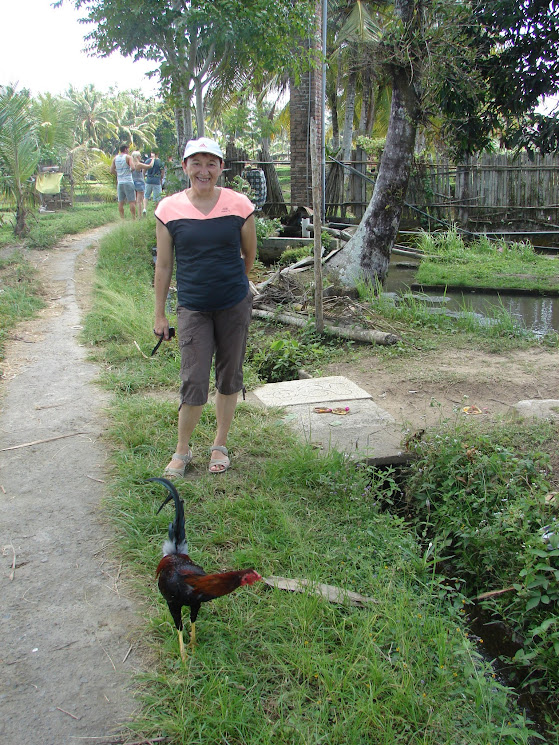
{"x":181,"y":646}
{"x":192,"y":636}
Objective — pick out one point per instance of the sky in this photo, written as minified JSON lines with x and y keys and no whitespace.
{"x":42,"y":47}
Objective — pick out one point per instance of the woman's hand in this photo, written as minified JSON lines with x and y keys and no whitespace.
{"x":161,"y":328}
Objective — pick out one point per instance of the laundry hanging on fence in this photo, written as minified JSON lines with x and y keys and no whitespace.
{"x":49,"y":183}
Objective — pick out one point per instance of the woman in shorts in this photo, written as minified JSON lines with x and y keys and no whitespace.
{"x":139,"y":178}
{"x":210,"y":233}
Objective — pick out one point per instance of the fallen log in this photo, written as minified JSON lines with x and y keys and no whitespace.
{"x":332,"y":593}
{"x":355,"y":333}
{"x":343,"y":235}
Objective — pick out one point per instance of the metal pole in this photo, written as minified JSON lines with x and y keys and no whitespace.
{"x":317,"y":228}
{"x":323,"y":109}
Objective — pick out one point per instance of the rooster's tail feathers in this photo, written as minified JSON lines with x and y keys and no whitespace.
{"x":177,"y":536}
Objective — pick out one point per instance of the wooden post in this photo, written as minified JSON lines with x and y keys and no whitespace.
{"x":317,"y":227}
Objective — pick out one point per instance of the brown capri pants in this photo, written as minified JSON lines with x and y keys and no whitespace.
{"x":201,"y":334}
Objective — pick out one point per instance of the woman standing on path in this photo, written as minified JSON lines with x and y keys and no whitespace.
{"x":211,"y":231}
{"x":139,"y":180}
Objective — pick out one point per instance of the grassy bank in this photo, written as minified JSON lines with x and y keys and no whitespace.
{"x":484,"y":263}
{"x":20,"y":296}
{"x":487,"y":497}
{"x":271,"y":667}
{"x":20,"y":291}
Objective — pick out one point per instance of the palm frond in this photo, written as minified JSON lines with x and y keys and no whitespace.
{"x":360,"y":25}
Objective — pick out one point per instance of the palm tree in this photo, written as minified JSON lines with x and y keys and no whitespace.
{"x":19,"y":152}
{"x":135,"y":120}
{"x":56,"y":119}
{"x":94,"y":114}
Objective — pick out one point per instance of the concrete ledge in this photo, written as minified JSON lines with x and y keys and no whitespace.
{"x":313,"y":390}
{"x":547,"y":408}
{"x":366,"y":430}
{"x":270,"y":249}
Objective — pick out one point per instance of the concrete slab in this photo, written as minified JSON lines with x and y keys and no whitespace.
{"x":547,"y":408}
{"x":314,"y":390}
{"x":366,"y":430}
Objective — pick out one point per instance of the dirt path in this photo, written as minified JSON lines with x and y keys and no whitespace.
{"x":66,"y":625}
{"x":435,"y":386}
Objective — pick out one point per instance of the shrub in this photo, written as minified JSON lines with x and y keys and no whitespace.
{"x":281,"y":357}
{"x":483,"y":493}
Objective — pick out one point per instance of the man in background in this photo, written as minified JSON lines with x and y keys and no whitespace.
{"x":122,"y":166}
{"x":154,"y":178}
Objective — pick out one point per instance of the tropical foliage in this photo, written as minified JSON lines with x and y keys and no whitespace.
{"x":78,"y":132}
{"x":202,"y":46}
{"x":19,"y":153}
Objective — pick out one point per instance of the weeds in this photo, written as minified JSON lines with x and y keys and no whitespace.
{"x":484,"y":494}
{"x":496,"y":327}
{"x":19,"y":294}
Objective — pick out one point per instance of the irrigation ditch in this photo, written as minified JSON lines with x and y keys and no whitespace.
{"x":533,"y":311}
{"x":495,"y":640}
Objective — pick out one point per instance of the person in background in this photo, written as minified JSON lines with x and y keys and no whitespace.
{"x":138,"y":177}
{"x":153,"y":177}
{"x":210,"y":233}
{"x":168,"y":167}
{"x":122,"y":166}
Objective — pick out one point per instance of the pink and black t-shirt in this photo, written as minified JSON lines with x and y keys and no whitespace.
{"x":210,"y":270}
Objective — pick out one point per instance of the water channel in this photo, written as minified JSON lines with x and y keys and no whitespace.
{"x":533,"y":312}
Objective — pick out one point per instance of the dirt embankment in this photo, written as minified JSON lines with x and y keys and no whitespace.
{"x":435,"y":386}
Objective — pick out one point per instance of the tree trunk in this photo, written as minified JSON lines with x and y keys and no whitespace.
{"x":334,"y":189}
{"x":367,"y":115}
{"x":199,"y":98}
{"x":347,"y":137}
{"x":367,"y":254}
{"x":275,"y":202}
{"x":20,"y":228}
{"x":332,"y":96}
{"x":183,"y":121}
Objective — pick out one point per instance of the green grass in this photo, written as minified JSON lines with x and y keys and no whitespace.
{"x":284,"y":176}
{"x":497,"y":332}
{"x":484,"y":263}
{"x":20,"y":296}
{"x":46,"y":229}
{"x":270,"y":666}
{"x":20,"y":291}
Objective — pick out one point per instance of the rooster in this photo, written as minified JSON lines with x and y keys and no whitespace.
{"x":181,"y":582}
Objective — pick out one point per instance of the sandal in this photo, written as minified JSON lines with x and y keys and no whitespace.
{"x":170,"y":472}
{"x":225,"y":463}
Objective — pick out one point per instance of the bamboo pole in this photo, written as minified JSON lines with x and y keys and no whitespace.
{"x":317,"y":228}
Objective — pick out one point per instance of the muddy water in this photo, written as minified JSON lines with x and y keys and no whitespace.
{"x":537,"y":314}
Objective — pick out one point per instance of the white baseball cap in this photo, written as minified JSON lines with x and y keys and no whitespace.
{"x":202,"y":145}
